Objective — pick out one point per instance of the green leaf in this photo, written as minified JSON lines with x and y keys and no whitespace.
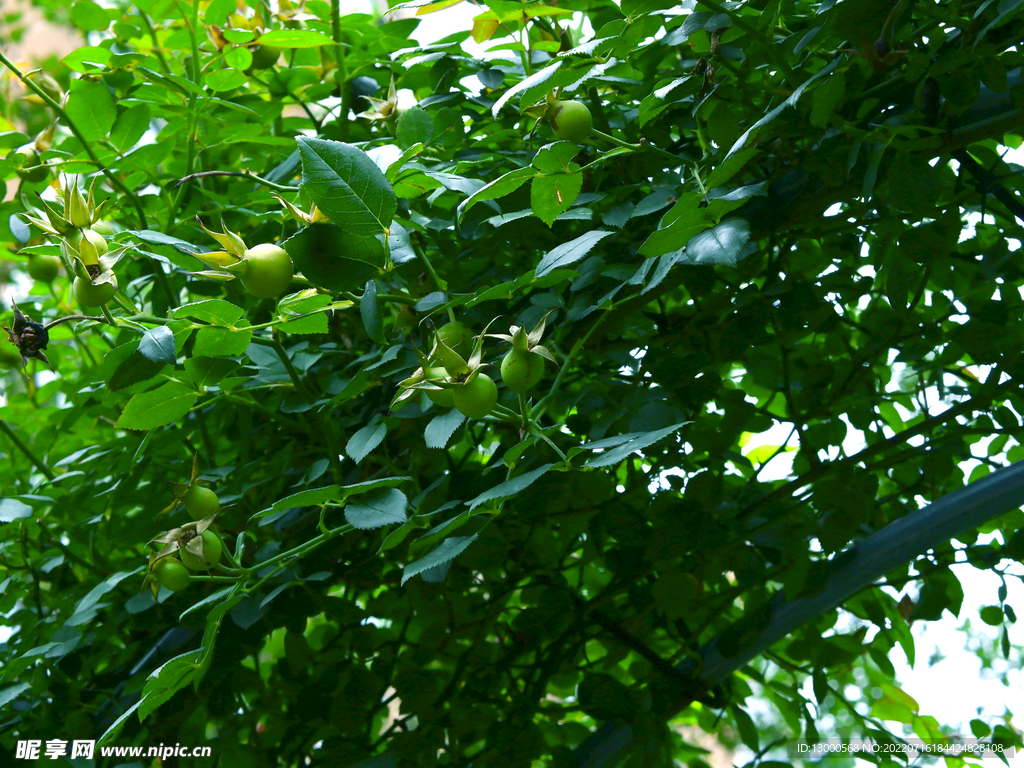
{"x":115,"y":727}
{"x":124,"y":366}
{"x":316,"y":496}
{"x":415,"y":126}
{"x":369,"y":311}
{"x":167,"y":680}
{"x":387,"y":508}
{"x":157,"y":345}
{"x":335,"y":259}
{"x":347,"y":186}
{"x":214,"y":311}
{"x":794,"y":97}
{"x":448,"y":550}
{"x":729,"y":167}
{"x":130,"y":126}
{"x":7,"y":695}
{"x":295,"y":38}
{"x":632,"y":442}
{"x":441,"y":428}
{"x":503,"y":185}
{"x":159,"y":407}
{"x":225,"y":79}
{"x":555,"y":157}
{"x":723,"y":244}
{"x":88,"y":16}
{"x":895,"y":704}
{"x":676,"y":236}
{"x":538,"y":78}
{"x":992,"y":615}
{"x":91,"y":107}
{"x":571,"y":252}
{"x":551,"y":196}
{"x":365,"y":440}
{"x":221,"y":342}
{"x":509,"y":487}
{"x":12,"y":509}
{"x":826,"y":98}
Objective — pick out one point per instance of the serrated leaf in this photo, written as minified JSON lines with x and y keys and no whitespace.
{"x":221,"y":342}
{"x":537,"y":78}
{"x":415,"y":126}
{"x":91,"y":107}
{"x":722,"y":244}
{"x":365,"y":440}
{"x":551,"y":196}
{"x":157,"y":345}
{"x":635,"y":443}
{"x":213,"y":311}
{"x":569,"y":253}
{"x":159,"y":407}
{"x":314,"y":496}
{"x":447,"y":550}
{"x":332,"y":258}
{"x":501,"y":186}
{"x":387,"y":508}
{"x":167,"y":680}
{"x":347,"y":186}
{"x":509,"y":487}
{"x":441,"y":428}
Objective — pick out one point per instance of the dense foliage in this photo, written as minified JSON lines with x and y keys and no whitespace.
{"x":684,"y":226}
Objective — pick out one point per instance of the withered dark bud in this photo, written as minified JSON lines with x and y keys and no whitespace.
{"x":29,"y":337}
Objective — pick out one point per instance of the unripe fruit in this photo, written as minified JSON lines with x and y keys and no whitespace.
{"x":27,"y":158}
{"x":264,"y":56}
{"x":90,"y":295}
{"x":88,"y":244}
{"x":456,"y":336}
{"x":442,"y":397}
{"x":201,"y":502}
{"x":477,"y":398}
{"x":172,"y":574}
{"x":571,"y":120}
{"x":522,"y":370}
{"x":268,"y":271}
{"x":44,"y":268}
{"x":212,"y":549}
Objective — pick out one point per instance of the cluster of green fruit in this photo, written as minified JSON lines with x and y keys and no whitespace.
{"x":174,"y":573}
{"x":451,"y":381}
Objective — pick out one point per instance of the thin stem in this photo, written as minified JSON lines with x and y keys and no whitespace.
{"x":292,"y":373}
{"x":156,"y":43}
{"x":545,"y":401}
{"x":674,"y":159}
{"x":341,"y":70}
{"x":248,"y":174}
{"x":86,"y":145}
{"x":441,"y":284}
{"x":40,"y":465}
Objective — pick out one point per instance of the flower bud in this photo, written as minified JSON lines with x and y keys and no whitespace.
{"x":76,"y":208}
